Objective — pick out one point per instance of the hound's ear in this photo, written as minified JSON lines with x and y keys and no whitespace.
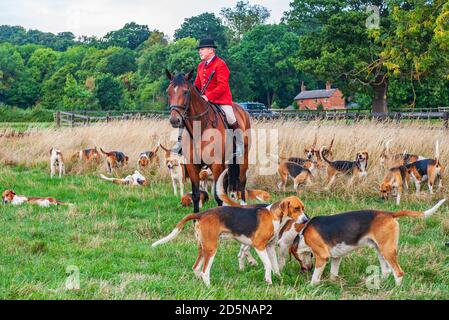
{"x":315,"y":141}
{"x":332,"y":143}
{"x":285,"y":206}
{"x":167,"y":152}
{"x":188,"y":75}
{"x":169,"y":75}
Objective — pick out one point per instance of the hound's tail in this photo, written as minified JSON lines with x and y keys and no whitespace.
{"x":177,"y":230}
{"x":437,"y":150}
{"x":419,"y":214}
{"x":104,"y":152}
{"x":387,"y":145}
{"x":323,"y":156}
{"x":221,"y":192}
{"x":65,"y":204}
{"x":276,"y":158}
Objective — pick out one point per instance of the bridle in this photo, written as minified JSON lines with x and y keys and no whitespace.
{"x":183,"y":110}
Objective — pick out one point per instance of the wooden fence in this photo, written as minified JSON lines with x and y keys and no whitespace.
{"x":76,"y":119}
{"x":73,"y":119}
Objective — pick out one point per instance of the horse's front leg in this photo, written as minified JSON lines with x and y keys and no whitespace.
{"x":216,"y":171}
{"x":196,"y":196}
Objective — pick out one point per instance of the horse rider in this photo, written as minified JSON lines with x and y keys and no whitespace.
{"x":217,"y":90}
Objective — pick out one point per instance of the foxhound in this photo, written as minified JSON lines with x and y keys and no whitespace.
{"x":114,"y":159}
{"x":9,"y":196}
{"x":56,"y":162}
{"x":332,"y":237}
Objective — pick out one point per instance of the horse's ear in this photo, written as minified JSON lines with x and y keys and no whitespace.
{"x":169,"y":75}
{"x":188,"y":75}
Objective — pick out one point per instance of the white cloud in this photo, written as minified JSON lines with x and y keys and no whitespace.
{"x":97,"y":17}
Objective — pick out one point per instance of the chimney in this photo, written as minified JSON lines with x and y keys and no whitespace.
{"x":303,"y":87}
{"x":328,"y":85}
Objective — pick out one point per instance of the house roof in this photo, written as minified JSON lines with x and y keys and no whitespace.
{"x":315,"y":94}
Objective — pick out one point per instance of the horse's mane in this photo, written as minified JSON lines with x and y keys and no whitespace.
{"x":180,"y":80}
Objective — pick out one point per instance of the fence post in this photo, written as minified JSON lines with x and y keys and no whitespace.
{"x":446,"y":119}
{"x":72,"y":119}
{"x":58,"y":119}
{"x":398,"y":117}
{"x":108,"y":117}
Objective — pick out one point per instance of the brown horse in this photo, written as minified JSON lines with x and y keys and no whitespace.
{"x":187,"y":110}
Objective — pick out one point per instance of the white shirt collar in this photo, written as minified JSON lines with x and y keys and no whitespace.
{"x":208,"y":61}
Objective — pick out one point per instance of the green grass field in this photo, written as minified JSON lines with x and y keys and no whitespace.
{"x":107,"y":237}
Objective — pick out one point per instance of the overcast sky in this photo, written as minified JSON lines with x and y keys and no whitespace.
{"x":97,"y":17}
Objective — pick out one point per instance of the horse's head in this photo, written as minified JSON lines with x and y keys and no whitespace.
{"x":178,"y":97}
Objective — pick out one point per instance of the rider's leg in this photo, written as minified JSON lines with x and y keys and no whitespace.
{"x":232,"y":121}
{"x":178,"y":145}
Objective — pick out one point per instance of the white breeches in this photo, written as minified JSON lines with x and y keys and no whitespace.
{"x":229,"y":111}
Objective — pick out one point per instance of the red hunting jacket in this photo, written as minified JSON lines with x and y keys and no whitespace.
{"x":218,"y":91}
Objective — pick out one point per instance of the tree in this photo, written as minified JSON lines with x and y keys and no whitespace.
{"x":419,"y":46}
{"x":63,"y":41}
{"x":270,"y":50}
{"x":205,"y":25}
{"x":77,"y":97}
{"x":130,"y":36}
{"x":53,"y":87}
{"x":109,"y":92}
{"x":17,"y":86}
{"x":243,"y":17}
{"x":13,"y":34}
{"x":342,"y":48}
{"x":42,"y":63}
{"x":11,"y":65}
{"x":119,"y":61}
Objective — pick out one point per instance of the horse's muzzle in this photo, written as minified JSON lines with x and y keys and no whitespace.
{"x":176,"y":122}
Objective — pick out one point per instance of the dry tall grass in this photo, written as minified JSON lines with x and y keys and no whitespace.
{"x":133,"y":137}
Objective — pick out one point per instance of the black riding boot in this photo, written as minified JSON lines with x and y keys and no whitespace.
{"x":239,"y":143}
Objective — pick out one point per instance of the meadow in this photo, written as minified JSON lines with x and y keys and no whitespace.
{"x":106,"y":237}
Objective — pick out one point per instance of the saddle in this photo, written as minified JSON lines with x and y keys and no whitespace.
{"x":220,"y":113}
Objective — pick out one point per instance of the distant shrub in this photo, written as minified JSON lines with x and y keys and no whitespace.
{"x":36,"y":114}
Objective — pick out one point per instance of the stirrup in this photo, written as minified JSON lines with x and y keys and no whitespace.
{"x":177,"y":149}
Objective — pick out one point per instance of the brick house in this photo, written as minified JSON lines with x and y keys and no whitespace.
{"x":329,"y":98}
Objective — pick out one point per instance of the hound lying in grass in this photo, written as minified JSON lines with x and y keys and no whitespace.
{"x":9,"y":196}
{"x":136,"y":179}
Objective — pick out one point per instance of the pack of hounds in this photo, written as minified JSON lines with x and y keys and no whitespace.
{"x":278,"y":229}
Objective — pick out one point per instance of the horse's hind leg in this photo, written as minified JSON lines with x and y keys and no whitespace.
{"x":242,"y":184}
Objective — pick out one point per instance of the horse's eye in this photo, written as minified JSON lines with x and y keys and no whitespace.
{"x":186,"y":92}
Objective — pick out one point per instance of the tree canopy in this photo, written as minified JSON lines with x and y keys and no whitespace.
{"x":381,"y":54}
